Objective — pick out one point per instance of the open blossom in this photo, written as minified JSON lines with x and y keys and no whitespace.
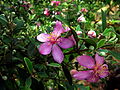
{"x":53,"y":42}
{"x":81,"y":19}
{"x":97,"y":68}
{"x":55,"y":2}
{"x":91,"y":34}
{"x":84,"y":10}
{"x":47,"y":12}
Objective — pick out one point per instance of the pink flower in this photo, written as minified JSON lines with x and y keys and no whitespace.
{"x":84,"y":10}
{"x":81,"y":19}
{"x":55,"y":2}
{"x":53,"y":42}
{"x":91,"y":34}
{"x":47,"y":12}
{"x":97,"y":68}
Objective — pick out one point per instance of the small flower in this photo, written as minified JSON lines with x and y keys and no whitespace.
{"x":47,"y":12}
{"x":97,"y":68}
{"x":91,"y":34}
{"x":81,"y":19}
{"x":84,"y":10}
{"x":53,"y":42}
{"x":55,"y":2}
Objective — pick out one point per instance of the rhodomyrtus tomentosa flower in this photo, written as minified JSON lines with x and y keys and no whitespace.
{"x":53,"y":42}
{"x":97,"y":68}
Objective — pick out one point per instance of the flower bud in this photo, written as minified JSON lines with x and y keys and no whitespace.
{"x":91,"y":34}
{"x":73,"y":71}
{"x":4,"y":77}
{"x":84,"y":10}
{"x":47,"y":12}
{"x":81,"y":19}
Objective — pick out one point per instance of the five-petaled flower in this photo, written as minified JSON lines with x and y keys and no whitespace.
{"x":97,"y":68}
{"x":53,"y":42}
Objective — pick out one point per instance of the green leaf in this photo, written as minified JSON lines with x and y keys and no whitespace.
{"x":115,"y":54}
{"x":19,"y":25}
{"x":78,"y":28}
{"x":103,"y":20}
{"x":89,"y":42}
{"x":28,"y":64}
{"x":54,"y":65}
{"x":81,"y":87}
{"x":28,"y":82}
{"x":107,"y":30}
{"x":101,"y":43}
{"x":62,"y":19}
{"x":3,"y":20}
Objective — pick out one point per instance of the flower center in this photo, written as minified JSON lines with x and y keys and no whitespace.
{"x":53,"y":38}
{"x":100,"y":70}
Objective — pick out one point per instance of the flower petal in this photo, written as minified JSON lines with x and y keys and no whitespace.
{"x":58,"y":29}
{"x":43,"y":37}
{"x":93,"y":78}
{"x":99,"y":60}
{"x":45,"y":48}
{"x":86,"y":61}
{"x":82,"y":75}
{"x":57,"y":54}
{"x":65,"y":43}
{"x":73,"y":39}
{"x":103,"y":71}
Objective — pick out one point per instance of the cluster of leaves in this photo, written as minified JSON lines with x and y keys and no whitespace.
{"x":21,"y":65}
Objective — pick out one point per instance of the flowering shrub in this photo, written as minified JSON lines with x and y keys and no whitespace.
{"x":59,"y":45}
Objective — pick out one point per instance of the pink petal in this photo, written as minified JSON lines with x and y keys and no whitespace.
{"x":57,"y":54}
{"x":103,"y":71}
{"x":82,"y":75}
{"x":73,"y":39}
{"x":58,"y":29}
{"x":93,"y":78}
{"x":99,"y":60}
{"x":67,"y":29}
{"x":73,"y":71}
{"x":65,"y":43}
{"x":45,"y":48}
{"x":86,"y":61}
{"x":43,"y":37}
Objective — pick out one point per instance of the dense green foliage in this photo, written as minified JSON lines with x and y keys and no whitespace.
{"x":22,"y":67}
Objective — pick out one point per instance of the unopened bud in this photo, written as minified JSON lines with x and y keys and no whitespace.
{"x":91,"y":34}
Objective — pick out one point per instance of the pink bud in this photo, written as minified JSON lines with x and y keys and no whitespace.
{"x":81,"y":19}
{"x":38,"y":24}
{"x":92,"y":34}
{"x":57,"y":13}
{"x":78,"y":32}
{"x":73,"y":71}
{"x":47,"y":12}
{"x":55,"y":2}
{"x":84,"y":10}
